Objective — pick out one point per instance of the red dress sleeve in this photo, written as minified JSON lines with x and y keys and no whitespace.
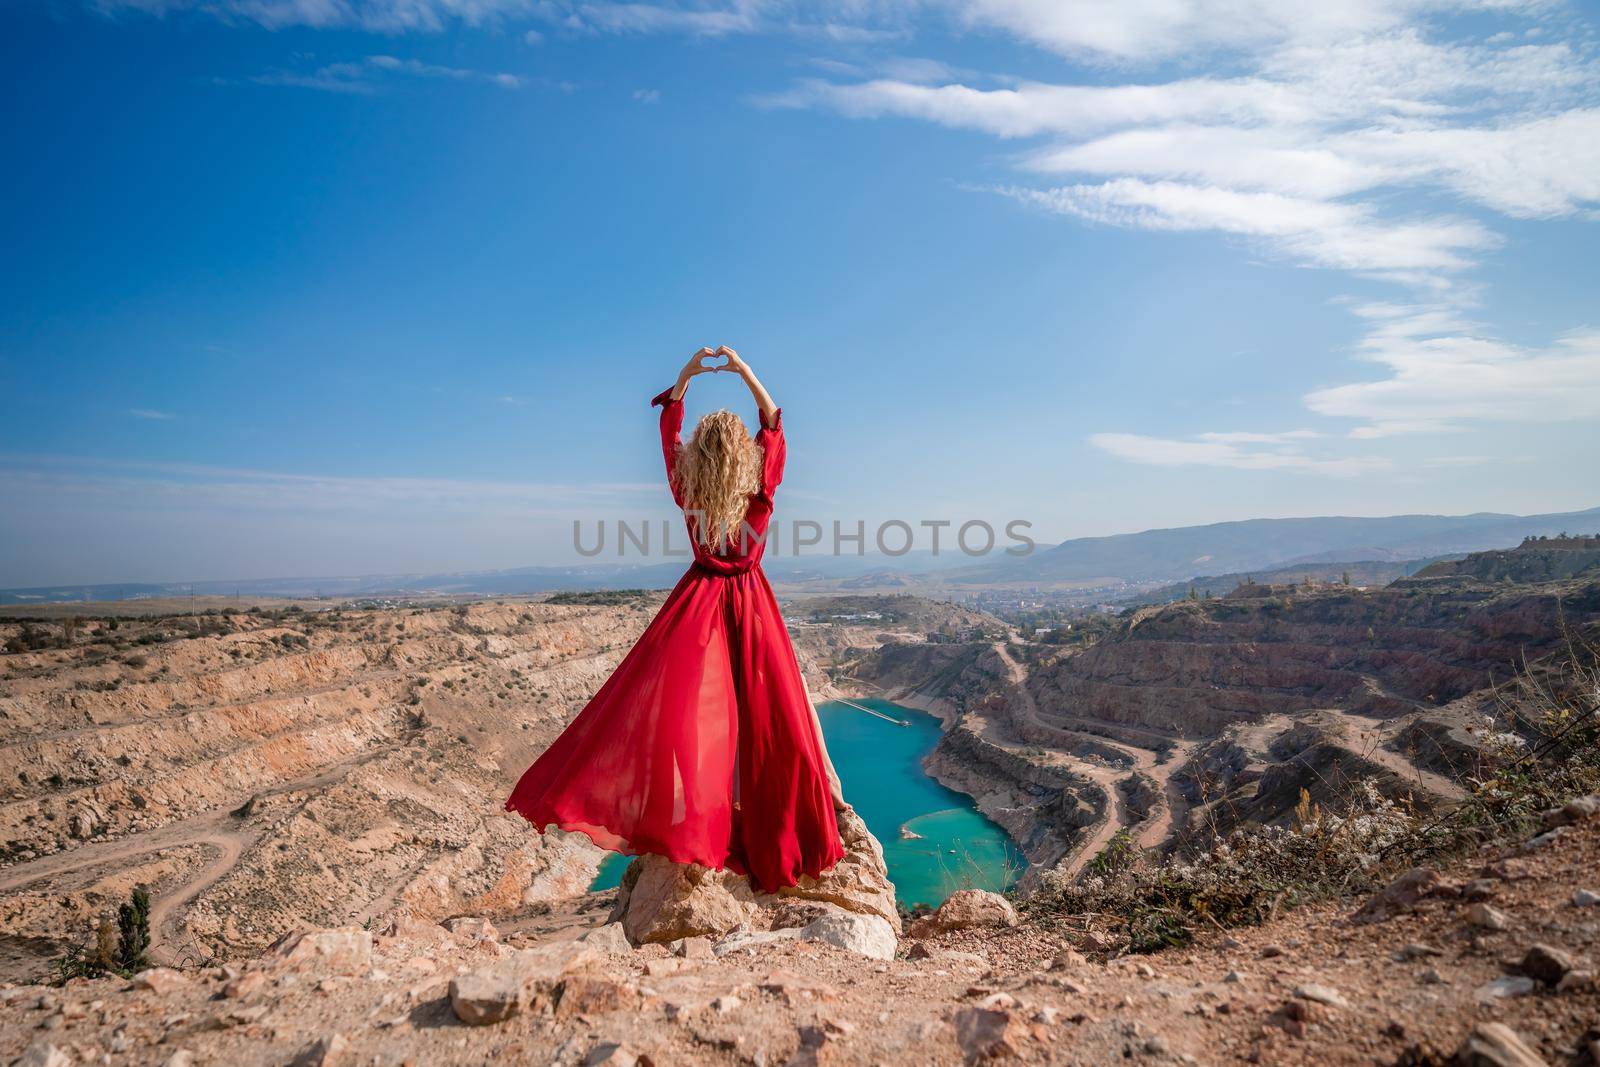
{"x":773,"y":452}
{"x":671,"y":429}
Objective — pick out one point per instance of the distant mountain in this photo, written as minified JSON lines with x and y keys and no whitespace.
{"x":1261,"y":544}
{"x":1359,"y":572}
{"x":1171,"y":555}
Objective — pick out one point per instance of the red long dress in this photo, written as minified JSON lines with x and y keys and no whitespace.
{"x":701,"y":746}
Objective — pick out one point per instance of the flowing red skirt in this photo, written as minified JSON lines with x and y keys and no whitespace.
{"x":701,"y":747}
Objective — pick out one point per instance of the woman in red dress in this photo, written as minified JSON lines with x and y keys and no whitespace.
{"x":703,"y":745}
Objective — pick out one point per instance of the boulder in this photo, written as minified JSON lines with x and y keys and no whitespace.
{"x":1546,"y":964}
{"x":964,"y":910}
{"x":608,"y":938}
{"x":661,"y":901}
{"x":1403,"y":894}
{"x":342,"y":950}
{"x":325,"y":1051}
{"x":160,"y":980}
{"x":1496,"y":1045}
{"x":500,"y":990}
{"x":867,"y":935}
{"x":44,"y":1054}
{"x":988,"y":1033}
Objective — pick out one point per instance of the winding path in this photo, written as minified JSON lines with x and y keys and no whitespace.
{"x":218,"y":831}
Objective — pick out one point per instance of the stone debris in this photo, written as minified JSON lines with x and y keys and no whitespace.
{"x":43,"y":1054}
{"x":1585,"y":898}
{"x":1487,"y":917}
{"x":1321,"y":994}
{"x":1513,"y":986}
{"x":500,"y":990}
{"x":608,"y":938}
{"x":692,"y":948}
{"x":1496,"y":1045}
{"x":615,"y":1054}
{"x":343,"y":950}
{"x":1545,"y":964}
{"x":1403,"y":894}
{"x":988,"y":1033}
{"x":325,"y":1051}
{"x":963,"y":910}
{"x":160,"y":980}
{"x":867,"y":935}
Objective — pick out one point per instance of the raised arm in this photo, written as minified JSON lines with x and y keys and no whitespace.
{"x":696,"y":365}
{"x":769,"y":410}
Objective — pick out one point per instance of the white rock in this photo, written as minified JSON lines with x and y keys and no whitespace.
{"x":1506,"y":987}
{"x":608,"y":938}
{"x":40,"y":1054}
{"x":741,"y":939}
{"x":1321,"y":994}
{"x":867,"y":935}
{"x":1584,"y":898}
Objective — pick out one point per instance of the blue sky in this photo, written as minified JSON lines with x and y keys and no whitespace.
{"x":347,"y":286}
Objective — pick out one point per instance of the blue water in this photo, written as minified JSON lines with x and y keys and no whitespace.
{"x":880,"y":764}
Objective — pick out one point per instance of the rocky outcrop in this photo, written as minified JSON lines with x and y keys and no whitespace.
{"x":966,"y":909}
{"x":661,"y":901}
{"x":1043,"y":809}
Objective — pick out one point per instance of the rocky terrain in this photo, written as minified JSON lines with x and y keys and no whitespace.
{"x":1193,"y":718}
{"x":312,"y":799}
{"x":1490,"y":961}
{"x":259,"y":770}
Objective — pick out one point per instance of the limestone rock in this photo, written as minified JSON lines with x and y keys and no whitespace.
{"x":966,"y":909}
{"x":342,"y":950}
{"x":613,"y":1054}
{"x":160,"y":980}
{"x":500,"y":990}
{"x":868,"y":935}
{"x":1496,"y":1045}
{"x":661,"y":901}
{"x":326,"y":1051}
{"x":988,"y":1033}
{"x":1321,"y":994}
{"x":41,"y":1054}
{"x":1487,"y":917}
{"x":583,"y":994}
{"x":472,"y":928}
{"x":608,"y":938}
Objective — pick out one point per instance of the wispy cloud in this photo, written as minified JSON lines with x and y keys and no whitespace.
{"x":1326,"y":112}
{"x":368,"y":75}
{"x":150,"y":413}
{"x":647,"y":96}
{"x":1320,"y":233}
{"x":1230,"y":450}
{"x":156,"y":485}
{"x":1444,"y":372}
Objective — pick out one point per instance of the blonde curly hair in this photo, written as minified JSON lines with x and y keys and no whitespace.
{"x":716,"y":472}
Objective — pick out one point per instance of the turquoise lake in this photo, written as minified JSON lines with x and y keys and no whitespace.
{"x":880,"y":764}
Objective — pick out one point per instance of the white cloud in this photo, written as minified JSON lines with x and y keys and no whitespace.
{"x":1224,"y":450}
{"x":1248,"y":438}
{"x":1321,"y":112}
{"x":150,"y":413}
{"x":647,"y":96}
{"x":1322,"y":233}
{"x":1148,"y":30}
{"x":367,"y":75}
{"x":1443,"y":373}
